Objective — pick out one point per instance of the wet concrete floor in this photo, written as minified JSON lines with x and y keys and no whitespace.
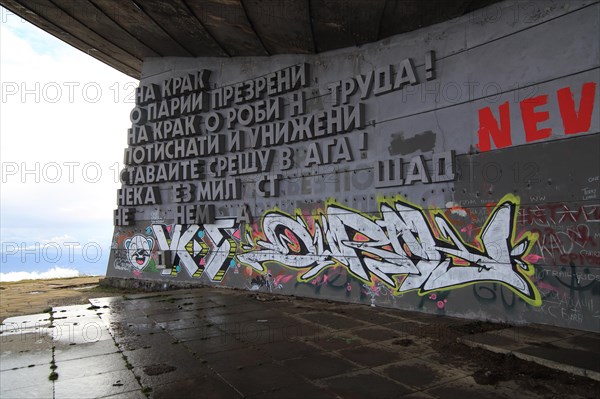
{"x":217,"y":343}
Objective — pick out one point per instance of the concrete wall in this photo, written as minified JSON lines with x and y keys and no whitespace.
{"x":461,"y":178}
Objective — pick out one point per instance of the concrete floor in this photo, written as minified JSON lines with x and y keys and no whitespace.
{"x":217,"y":343}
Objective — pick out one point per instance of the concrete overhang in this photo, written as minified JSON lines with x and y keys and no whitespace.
{"x":122,"y":33}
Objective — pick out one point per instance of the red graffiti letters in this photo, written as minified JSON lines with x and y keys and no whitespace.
{"x":533,"y":115}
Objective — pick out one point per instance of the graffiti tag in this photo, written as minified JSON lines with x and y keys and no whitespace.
{"x":399,"y":246}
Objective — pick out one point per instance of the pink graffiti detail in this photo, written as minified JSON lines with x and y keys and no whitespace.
{"x":545,"y":286}
{"x":468,"y":229}
{"x":531,"y":258}
{"x":310,"y":222}
{"x":282,"y":279}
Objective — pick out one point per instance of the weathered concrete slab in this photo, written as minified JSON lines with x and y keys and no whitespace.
{"x":562,"y":349}
{"x":23,"y":350}
{"x":96,"y":386}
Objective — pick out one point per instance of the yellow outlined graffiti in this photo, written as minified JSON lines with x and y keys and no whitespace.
{"x":199,"y":249}
{"x":475,"y":253}
{"x":399,"y":246}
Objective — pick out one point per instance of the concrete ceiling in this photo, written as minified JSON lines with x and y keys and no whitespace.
{"x":121,"y":33}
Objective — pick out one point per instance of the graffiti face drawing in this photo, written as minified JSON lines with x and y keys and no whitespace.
{"x":138,"y":250}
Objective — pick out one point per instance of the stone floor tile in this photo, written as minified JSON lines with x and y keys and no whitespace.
{"x":92,"y":365}
{"x":527,"y":334}
{"x":288,"y":350}
{"x":364,"y":384}
{"x":581,"y":342}
{"x":264,"y":331}
{"x":335,"y":340}
{"x":213,"y":387}
{"x":159,"y":354}
{"x":171,"y":370}
{"x":374,"y":317}
{"x":332,"y":320}
{"x":134,"y":342}
{"x":22,"y":350}
{"x":69,"y":352}
{"x":467,"y":388}
{"x":24,"y":322}
{"x":370,"y":356}
{"x":80,"y":333}
{"x":375,"y":334}
{"x":200,"y":332}
{"x":406,"y":327}
{"x":236,"y":359}
{"x":182,"y":324}
{"x":494,"y":341}
{"x":420,"y":374}
{"x":137,"y":394}
{"x":201,"y":347}
{"x":24,"y":377}
{"x":408,"y":346}
{"x":256,"y":379}
{"x":305,"y":390}
{"x":42,"y":390}
{"x":96,"y":386}
{"x":320,"y":366}
{"x":566,"y":357}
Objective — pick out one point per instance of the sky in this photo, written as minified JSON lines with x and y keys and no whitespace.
{"x":63,"y":128}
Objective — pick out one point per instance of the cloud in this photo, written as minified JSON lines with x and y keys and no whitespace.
{"x":55,"y":272}
{"x":64,"y":119}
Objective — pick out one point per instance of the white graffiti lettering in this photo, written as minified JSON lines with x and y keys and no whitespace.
{"x":200,"y":249}
{"x":399,"y":247}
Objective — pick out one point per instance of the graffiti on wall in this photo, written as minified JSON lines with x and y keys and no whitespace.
{"x":567,"y":232}
{"x":208,"y":251}
{"x":575,"y":119}
{"x":405,"y":247}
{"x":138,"y":250}
{"x":136,"y":255}
{"x":198,"y":249}
{"x":399,"y":246}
